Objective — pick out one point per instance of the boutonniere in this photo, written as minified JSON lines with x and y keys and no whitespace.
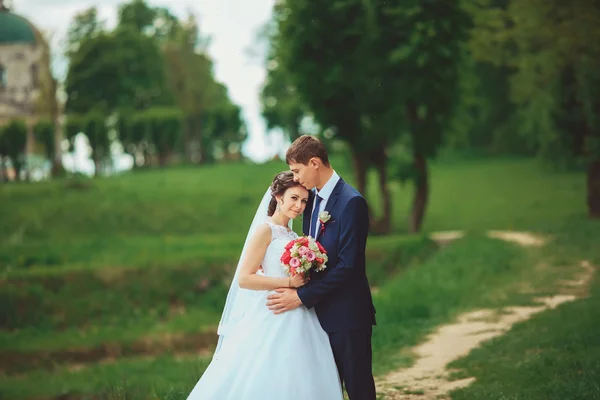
{"x":324,"y":217}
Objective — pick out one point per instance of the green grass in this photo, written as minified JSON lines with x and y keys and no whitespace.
{"x":145,"y":379}
{"x":114,"y":295}
{"x":117,"y":307}
{"x":553,"y":356}
{"x":484,"y":194}
{"x":47,"y":257}
{"x":473,"y":272}
{"x":158,"y":202}
{"x":34,"y":339}
{"x":147,"y":255}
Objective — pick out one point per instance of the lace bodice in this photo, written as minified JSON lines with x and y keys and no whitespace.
{"x":280,"y":236}
{"x":281,"y":232}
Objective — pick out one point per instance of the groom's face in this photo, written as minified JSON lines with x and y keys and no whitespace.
{"x":305,"y":175}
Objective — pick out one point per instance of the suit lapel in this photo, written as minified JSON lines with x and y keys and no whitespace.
{"x":335,"y":195}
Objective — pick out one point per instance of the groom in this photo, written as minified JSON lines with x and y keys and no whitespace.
{"x":337,"y":216}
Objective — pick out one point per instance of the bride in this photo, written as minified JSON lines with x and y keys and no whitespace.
{"x":260,"y":355}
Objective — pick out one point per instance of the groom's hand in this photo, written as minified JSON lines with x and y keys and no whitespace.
{"x":284,"y":300}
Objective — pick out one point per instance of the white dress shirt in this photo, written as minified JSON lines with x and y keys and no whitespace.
{"x":325,"y":194}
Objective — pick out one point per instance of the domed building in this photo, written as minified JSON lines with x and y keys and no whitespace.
{"x":20,"y":55}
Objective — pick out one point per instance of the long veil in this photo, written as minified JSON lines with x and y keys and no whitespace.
{"x":235,"y":304}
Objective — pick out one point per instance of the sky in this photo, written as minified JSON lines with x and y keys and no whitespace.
{"x":232,"y":26}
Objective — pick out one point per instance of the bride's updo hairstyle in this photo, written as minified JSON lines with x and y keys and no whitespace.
{"x":282,"y":182}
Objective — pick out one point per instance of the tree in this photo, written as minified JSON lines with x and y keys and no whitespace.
{"x":85,"y":25}
{"x":430,"y":35}
{"x":323,"y":48}
{"x":97,"y":133}
{"x":554,"y":49}
{"x":44,"y":132}
{"x":114,"y":70}
{"x":191,"y":79}
{"x":151,"y":60}
{"x":281,"y":104}
{"x":164,"y":130}
{"x":373,"y":71}
{"x":226,"y":128}
{"x":157,"y":22}
{"x":49,"y":106}
{"x":3,"y":157}
{"x":13,"y":142}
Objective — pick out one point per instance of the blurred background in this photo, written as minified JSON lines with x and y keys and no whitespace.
{"x":137,"y":138}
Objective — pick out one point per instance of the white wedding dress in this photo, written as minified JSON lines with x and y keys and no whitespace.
{"x":272,"y":357}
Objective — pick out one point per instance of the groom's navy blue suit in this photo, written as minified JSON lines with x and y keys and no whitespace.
{"x":341,"y":294}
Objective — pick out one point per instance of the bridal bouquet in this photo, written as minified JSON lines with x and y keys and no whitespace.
{"x":303,"y":254}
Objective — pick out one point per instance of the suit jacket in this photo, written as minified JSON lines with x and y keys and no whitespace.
{"x":341,"y":294}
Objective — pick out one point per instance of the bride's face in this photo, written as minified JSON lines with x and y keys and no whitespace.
{"x":294,"y":201}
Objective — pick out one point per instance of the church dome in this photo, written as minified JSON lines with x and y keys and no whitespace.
{"x":15,"y":29}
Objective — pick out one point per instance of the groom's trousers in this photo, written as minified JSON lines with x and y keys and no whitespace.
{"x":353,"y":356}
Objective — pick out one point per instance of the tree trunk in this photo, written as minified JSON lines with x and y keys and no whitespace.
{"x":205,"y":156}
{"x":384,"y":224}
{"x":188,"y":140}
{"x":421,"y":193}
{"x":163,"y":156}
{"x":3,"y":174}
{"x":55,"y":111}
{"x":360,"y":169}
{"x":593,"y":189}
{"x":57,"y":166}
{"x":97,"y":162}
{"x":29,"y":147}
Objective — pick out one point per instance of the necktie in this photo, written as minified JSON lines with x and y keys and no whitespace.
{"x":314,"y":217}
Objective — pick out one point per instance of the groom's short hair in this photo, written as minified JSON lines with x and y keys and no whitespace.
{"x":304,"y":148}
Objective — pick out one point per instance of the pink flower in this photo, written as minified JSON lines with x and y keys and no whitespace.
{"x":294,"y":262}
{"x":303,"y":251}
{"x":310,"y":256}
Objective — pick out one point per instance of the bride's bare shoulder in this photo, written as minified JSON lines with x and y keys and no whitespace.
{"x":263,"y":232}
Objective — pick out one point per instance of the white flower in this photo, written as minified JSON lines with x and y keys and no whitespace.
{"x":313,"y":246}
{"x":324,"y":217}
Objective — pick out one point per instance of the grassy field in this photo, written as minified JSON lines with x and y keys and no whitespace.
{"x":553,"y":356}
{"x":113,"y":287}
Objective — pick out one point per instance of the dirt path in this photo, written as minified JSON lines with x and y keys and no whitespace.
{"x":428,"y":379}
{"x":520,"y":238}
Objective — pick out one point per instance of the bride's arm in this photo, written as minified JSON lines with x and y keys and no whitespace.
{"x":255,"y":253}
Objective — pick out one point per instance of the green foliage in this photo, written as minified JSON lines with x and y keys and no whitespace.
{"x":97,"y":133}
{"x":13,"y":141}
{"x":74,"y":125}
{"x":281,"y":104}
{"x":162,"y":127}
{"x":136,"y":14}
{"x":552,"y":50}
{"x":113,"y":70}
{"x":44,"y":132}
{"x":326,"y":62}
{"x":85,"y":25}
{"x":427,"y":61}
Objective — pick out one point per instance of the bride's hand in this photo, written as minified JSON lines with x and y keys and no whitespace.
{"x":298,"y":280}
